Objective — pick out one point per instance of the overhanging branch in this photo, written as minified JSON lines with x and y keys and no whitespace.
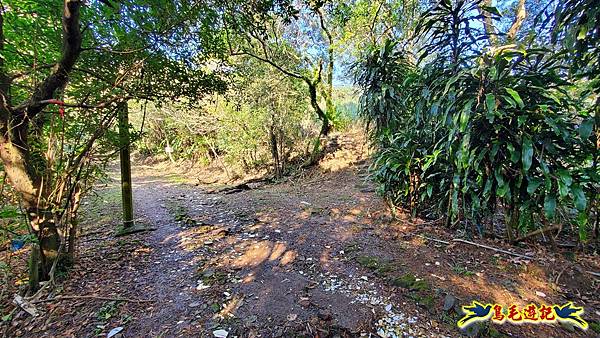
{"x":71,"y":48}
{"x":273,"y":64}
{"x":518,"y":22}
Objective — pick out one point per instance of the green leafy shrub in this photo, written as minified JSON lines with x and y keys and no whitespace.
{"x":467,"y":131}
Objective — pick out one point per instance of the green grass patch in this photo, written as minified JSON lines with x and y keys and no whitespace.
{"x":175,"y":178}
{"x":409,"y":281}
{"x":420,"y":290}
{"x":378,"y":266}
{"x":180,"y":214}
{"x":107,"y":311}
{"x":351,"y":248}
{"x":462,"y":271}
{"x":595,"y":326}
{"x":211,"y":277}
{"x":425,"y":300}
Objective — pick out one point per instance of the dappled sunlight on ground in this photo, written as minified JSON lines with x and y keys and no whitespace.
{"x":288,"y":257}
{"x":255,"y":255}
{"x":317,"y":253}
{"x":349,"y":154}
{"x":325,"y":258}
{"x":281,"y":250}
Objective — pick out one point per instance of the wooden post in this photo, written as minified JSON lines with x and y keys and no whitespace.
{"x":126,"y":192}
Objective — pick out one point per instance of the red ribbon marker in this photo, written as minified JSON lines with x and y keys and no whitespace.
{"x":61,"y":106}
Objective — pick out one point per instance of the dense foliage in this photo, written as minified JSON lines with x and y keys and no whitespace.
{"x":262,"y":121}
{"x":469,"y":129}
{"x":476,"y":111}
{"x":66,"y":69}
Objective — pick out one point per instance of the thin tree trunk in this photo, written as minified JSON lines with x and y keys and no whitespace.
{"x":34,"y":267}
{"x":312,"y":88}
{"x":518,"y":22}
{"x":4,"y":80}
{"x":325,"y":123}
{"x":216,"y":155}
{"x":274,"y":148}
{"x":126,"y":192}
{"x":513,"y":222}
{"x":596,"y":162}
{"x":329,"y":106}
{"x":488,"y":23}
{"x":169,"y":151}
{"x":74,"y":224}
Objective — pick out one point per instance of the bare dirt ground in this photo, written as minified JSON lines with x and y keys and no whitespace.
{"x":312,"y":256}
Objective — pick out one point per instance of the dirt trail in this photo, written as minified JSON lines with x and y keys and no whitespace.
{"x":314,"y":256}
{"x":268,"y":262}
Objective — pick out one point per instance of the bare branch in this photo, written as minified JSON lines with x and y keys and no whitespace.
{"x":373,"y":22}
{"x":274,"y":65}
{"x":86,"y":106}
{"x":71,"y":50}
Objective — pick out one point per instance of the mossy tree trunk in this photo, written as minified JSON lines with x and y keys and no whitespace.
{"x":328,"y":92}
{"x":124,"y":153}
{"x":15,"y":152}
{"x":33,"y":193}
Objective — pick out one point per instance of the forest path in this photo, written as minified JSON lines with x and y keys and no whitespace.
{"x":273,"y":261}
{"x":278,"y":260}
{"x":313,"y":256}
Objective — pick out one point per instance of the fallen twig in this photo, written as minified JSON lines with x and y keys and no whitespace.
{"x":566,"y":245}
{"x":478,"y":245}
{"x":434,"y":240}
{"x":429,"y":222}
{"x":241,"y":186}
{"x":492,"y":248}
{"x":117,"y":299}
{"x":539,"y":231}
{"x":559,"y":274}
{"x":595,"y":274}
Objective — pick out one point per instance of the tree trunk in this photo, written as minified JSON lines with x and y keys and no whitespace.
{"x":14,"y":153}
{"x":74,"y":224}
{"x":329,"y":106}
{"x":596,"y":162}
{"x":274,"y":152}
{"x":126,"y":192}
{"x":513,"y":222}
{"x":218,"y":158}
{"x":488,"y":23}
{"x":15,"y":122}
{"x":326,"y":125}
{"x":312,"y":89}
{"x":34,"y":267}
{"x":518,"y":22}
{"x":48,"y":237}
{"x":274,"y":148}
